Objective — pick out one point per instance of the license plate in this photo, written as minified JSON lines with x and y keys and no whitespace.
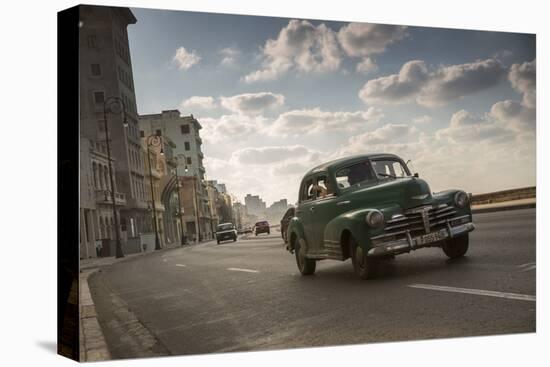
{"x":431,"y":237}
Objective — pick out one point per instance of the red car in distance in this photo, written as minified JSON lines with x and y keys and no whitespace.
{"x":261,"y":227}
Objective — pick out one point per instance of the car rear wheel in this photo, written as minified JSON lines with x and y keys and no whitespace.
{"x":456,"y":247}
{"x":305,"y":265}
{"x":365,"y":267}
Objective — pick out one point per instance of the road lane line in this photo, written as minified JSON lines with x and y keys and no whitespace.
{"x":532,"y":267}
{"x":164,"y":260}
{"x":527,"y":264}
{"x":181,"y":265}
{"x":479,"y":292}
{"x":243,"y":270}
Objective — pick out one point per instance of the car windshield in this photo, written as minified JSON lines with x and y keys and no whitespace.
{"x":390,"y":168}
{"x":355,"y":174}
{"x":225,"y":227}
{"x":261,"y":224}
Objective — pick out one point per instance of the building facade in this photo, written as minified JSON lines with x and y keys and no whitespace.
{"x":184,"y":131}
{"x":105,"y":77}
{"x":255,"y":206}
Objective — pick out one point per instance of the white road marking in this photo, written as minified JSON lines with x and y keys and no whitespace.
{"x":244,"y":270}
{"x":526,"y":265}
{"x":532,"y":267}
{"x":479,"y":292}
{"x":183,"y":266}
{"x":164,"y":260}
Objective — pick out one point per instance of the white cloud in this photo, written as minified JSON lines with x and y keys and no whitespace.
{"x":466,"y":128}
{"x":517,"y":115}
{"x":230,"y":127}
{"x":229,"y":56}
{"x":199,"y":102}
{"x":431,"y":88}
{"x":253,"y":103}
{"x":524,"y":79}
{"x":366,"y":66}
{"x":269,"y":155}
{"x":363,"y":39}
{"x":300,"y":46}
{"x":389,"y":133}
{"x":185,"y":59}
{"x":309,"y":121}
{"x":396,"y":88}
{"x":421,"y":120}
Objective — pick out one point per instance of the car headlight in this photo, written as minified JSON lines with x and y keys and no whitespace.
{"x":461,"y":199}
{"x":375,"y":218}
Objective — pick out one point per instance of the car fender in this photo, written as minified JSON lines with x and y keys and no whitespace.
{"x":354,"y":221}
{"x":296,"y":227}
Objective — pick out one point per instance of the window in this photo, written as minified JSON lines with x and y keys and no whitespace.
{"x":185,"y":129}
{"x":96,"y":69}
{"x":158,"y":132}
{"x":188,"y":160}
{"x":99,"y":97}
{"x":92,"y":41}
{"x":356,"y":174}
{"x":322,"y":188}
{"x":388,"y":168}
{"x":187,"y":145}
{"x":142,"y":133}
{"x":307,"y":193}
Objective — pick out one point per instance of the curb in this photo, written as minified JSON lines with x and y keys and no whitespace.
{"x":93,"y":346}
{"x":504,"y":208}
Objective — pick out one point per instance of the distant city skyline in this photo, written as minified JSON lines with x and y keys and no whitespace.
{"x":277,"y":96}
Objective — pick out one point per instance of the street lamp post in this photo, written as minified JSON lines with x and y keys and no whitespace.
{"x":195,"y":202}
{"x":179,"y":197}
{"x":112,"y":103}
{"x":154,"y":141}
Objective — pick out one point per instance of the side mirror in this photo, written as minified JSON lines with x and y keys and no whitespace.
{"x":416,"y":174}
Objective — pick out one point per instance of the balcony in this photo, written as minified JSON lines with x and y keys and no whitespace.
{"x":199,"y":140}
{"x":104,"y":197}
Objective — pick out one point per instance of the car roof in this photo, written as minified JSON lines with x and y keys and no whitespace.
{"x":223,"y":224}
{"x":341,"y":161}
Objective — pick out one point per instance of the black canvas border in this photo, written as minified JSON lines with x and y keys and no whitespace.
{"x":68,"y":336}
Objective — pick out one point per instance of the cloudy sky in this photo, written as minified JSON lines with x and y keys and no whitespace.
{"x":277,"y":96}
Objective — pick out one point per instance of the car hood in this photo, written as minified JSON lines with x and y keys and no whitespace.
{"x":405,"y":192}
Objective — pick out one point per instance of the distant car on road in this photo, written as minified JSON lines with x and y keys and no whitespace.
{"x":370,"y":207}
{"x":284,"y":223}
{"x":225,"y":232}
{"x":247,"y":229}
{"x":261,"y":227}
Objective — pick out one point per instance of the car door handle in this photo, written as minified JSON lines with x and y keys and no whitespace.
{"x":312,"y":209}
{"x":346,"y":202}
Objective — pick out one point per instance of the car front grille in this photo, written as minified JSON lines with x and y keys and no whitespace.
{"x":417,"y":221}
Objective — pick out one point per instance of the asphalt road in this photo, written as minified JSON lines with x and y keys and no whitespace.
{"x":249,"y":295}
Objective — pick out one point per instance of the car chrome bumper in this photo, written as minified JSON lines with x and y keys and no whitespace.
{"x":412,"y":243}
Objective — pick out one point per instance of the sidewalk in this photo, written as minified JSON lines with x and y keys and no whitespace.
{"x":505,"y":205}
{"x":98,"y":262}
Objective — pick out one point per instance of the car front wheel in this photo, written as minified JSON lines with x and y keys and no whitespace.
{"x":456,"y":247}
{"x":305,"y":265}
{"x":365,"y":267}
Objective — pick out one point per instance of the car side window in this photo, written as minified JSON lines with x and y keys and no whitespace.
{"x":307,"y":192}
{"x":322,"y":187}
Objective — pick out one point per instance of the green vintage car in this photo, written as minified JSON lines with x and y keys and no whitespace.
{"x":369,"y":208}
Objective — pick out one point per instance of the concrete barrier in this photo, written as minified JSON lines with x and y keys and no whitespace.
{"x":504,"y":196}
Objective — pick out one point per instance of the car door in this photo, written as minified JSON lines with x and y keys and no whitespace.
{"x":304,"y":212}
{"x":323,"y":208}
